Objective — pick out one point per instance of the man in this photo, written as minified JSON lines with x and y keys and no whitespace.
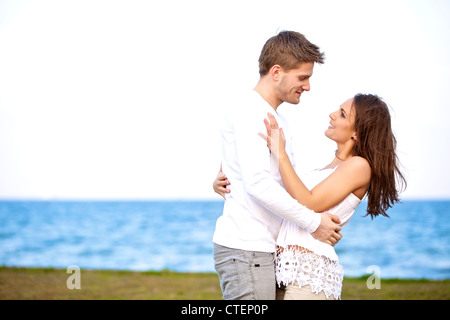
{"x":245,"y":235}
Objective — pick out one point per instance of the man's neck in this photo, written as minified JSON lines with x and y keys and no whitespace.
{"x":267,"y":92}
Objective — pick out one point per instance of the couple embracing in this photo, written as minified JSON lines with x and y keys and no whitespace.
{"x":275,"y":237}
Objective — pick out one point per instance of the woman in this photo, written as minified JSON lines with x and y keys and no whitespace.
{"x":364,"y":164}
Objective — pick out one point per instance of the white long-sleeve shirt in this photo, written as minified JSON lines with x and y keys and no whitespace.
{"x":258,"y":201}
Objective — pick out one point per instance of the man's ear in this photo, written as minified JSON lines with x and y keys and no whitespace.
{"x":275,"y":72}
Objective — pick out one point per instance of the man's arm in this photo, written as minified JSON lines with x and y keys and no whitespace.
{"x":321,"y":234}
{"x":254,"y":159}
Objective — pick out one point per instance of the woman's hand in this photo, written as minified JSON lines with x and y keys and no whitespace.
{"x":275,"y":138}
{"x":220,"y":184}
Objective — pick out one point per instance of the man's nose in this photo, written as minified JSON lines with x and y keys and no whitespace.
{"x":306,"y":86}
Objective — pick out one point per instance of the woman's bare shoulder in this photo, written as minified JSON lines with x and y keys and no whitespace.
{"x":357,"y":165}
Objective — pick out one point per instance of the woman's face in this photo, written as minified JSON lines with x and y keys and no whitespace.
{"x":342,"y":123}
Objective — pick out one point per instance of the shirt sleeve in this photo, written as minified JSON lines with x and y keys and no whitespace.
{"x":255,"y":163}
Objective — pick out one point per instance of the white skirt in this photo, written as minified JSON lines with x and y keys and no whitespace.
{"x":304,"y":267}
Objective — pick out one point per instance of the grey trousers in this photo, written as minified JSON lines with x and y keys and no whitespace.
{"x":245,"y":275}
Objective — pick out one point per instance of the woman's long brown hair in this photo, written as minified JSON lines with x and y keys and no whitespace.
{"x":377,"y":144}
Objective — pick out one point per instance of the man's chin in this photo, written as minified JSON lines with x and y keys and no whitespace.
{"x":294,"y":101}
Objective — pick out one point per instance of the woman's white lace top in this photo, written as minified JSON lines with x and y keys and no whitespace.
{"x":318,"y":265}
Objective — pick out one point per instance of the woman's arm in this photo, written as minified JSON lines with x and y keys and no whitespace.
{"x":348,"y":177}
{"x":220,"y":183}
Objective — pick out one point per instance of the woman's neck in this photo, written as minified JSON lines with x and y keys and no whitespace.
{"x":340,"y":156}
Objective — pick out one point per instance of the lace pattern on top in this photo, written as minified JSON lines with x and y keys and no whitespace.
{"x":299,"y":266}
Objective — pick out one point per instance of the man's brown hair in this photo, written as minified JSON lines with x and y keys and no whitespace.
{"x":288,"y":49}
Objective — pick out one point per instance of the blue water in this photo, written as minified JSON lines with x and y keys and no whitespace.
{"x":176,"y":235}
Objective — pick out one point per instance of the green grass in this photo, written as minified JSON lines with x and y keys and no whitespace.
{"x":49,"y":284}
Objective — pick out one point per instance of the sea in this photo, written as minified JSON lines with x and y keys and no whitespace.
{"x":177,"y":235}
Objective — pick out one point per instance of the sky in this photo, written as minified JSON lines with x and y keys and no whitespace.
{"x":123,"y":99}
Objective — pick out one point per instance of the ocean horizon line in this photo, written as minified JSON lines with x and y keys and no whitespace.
{"x":177,"y":235}
{"x":175,"y":199}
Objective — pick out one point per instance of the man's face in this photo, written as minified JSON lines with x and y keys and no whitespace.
{"x":294,"y":82}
